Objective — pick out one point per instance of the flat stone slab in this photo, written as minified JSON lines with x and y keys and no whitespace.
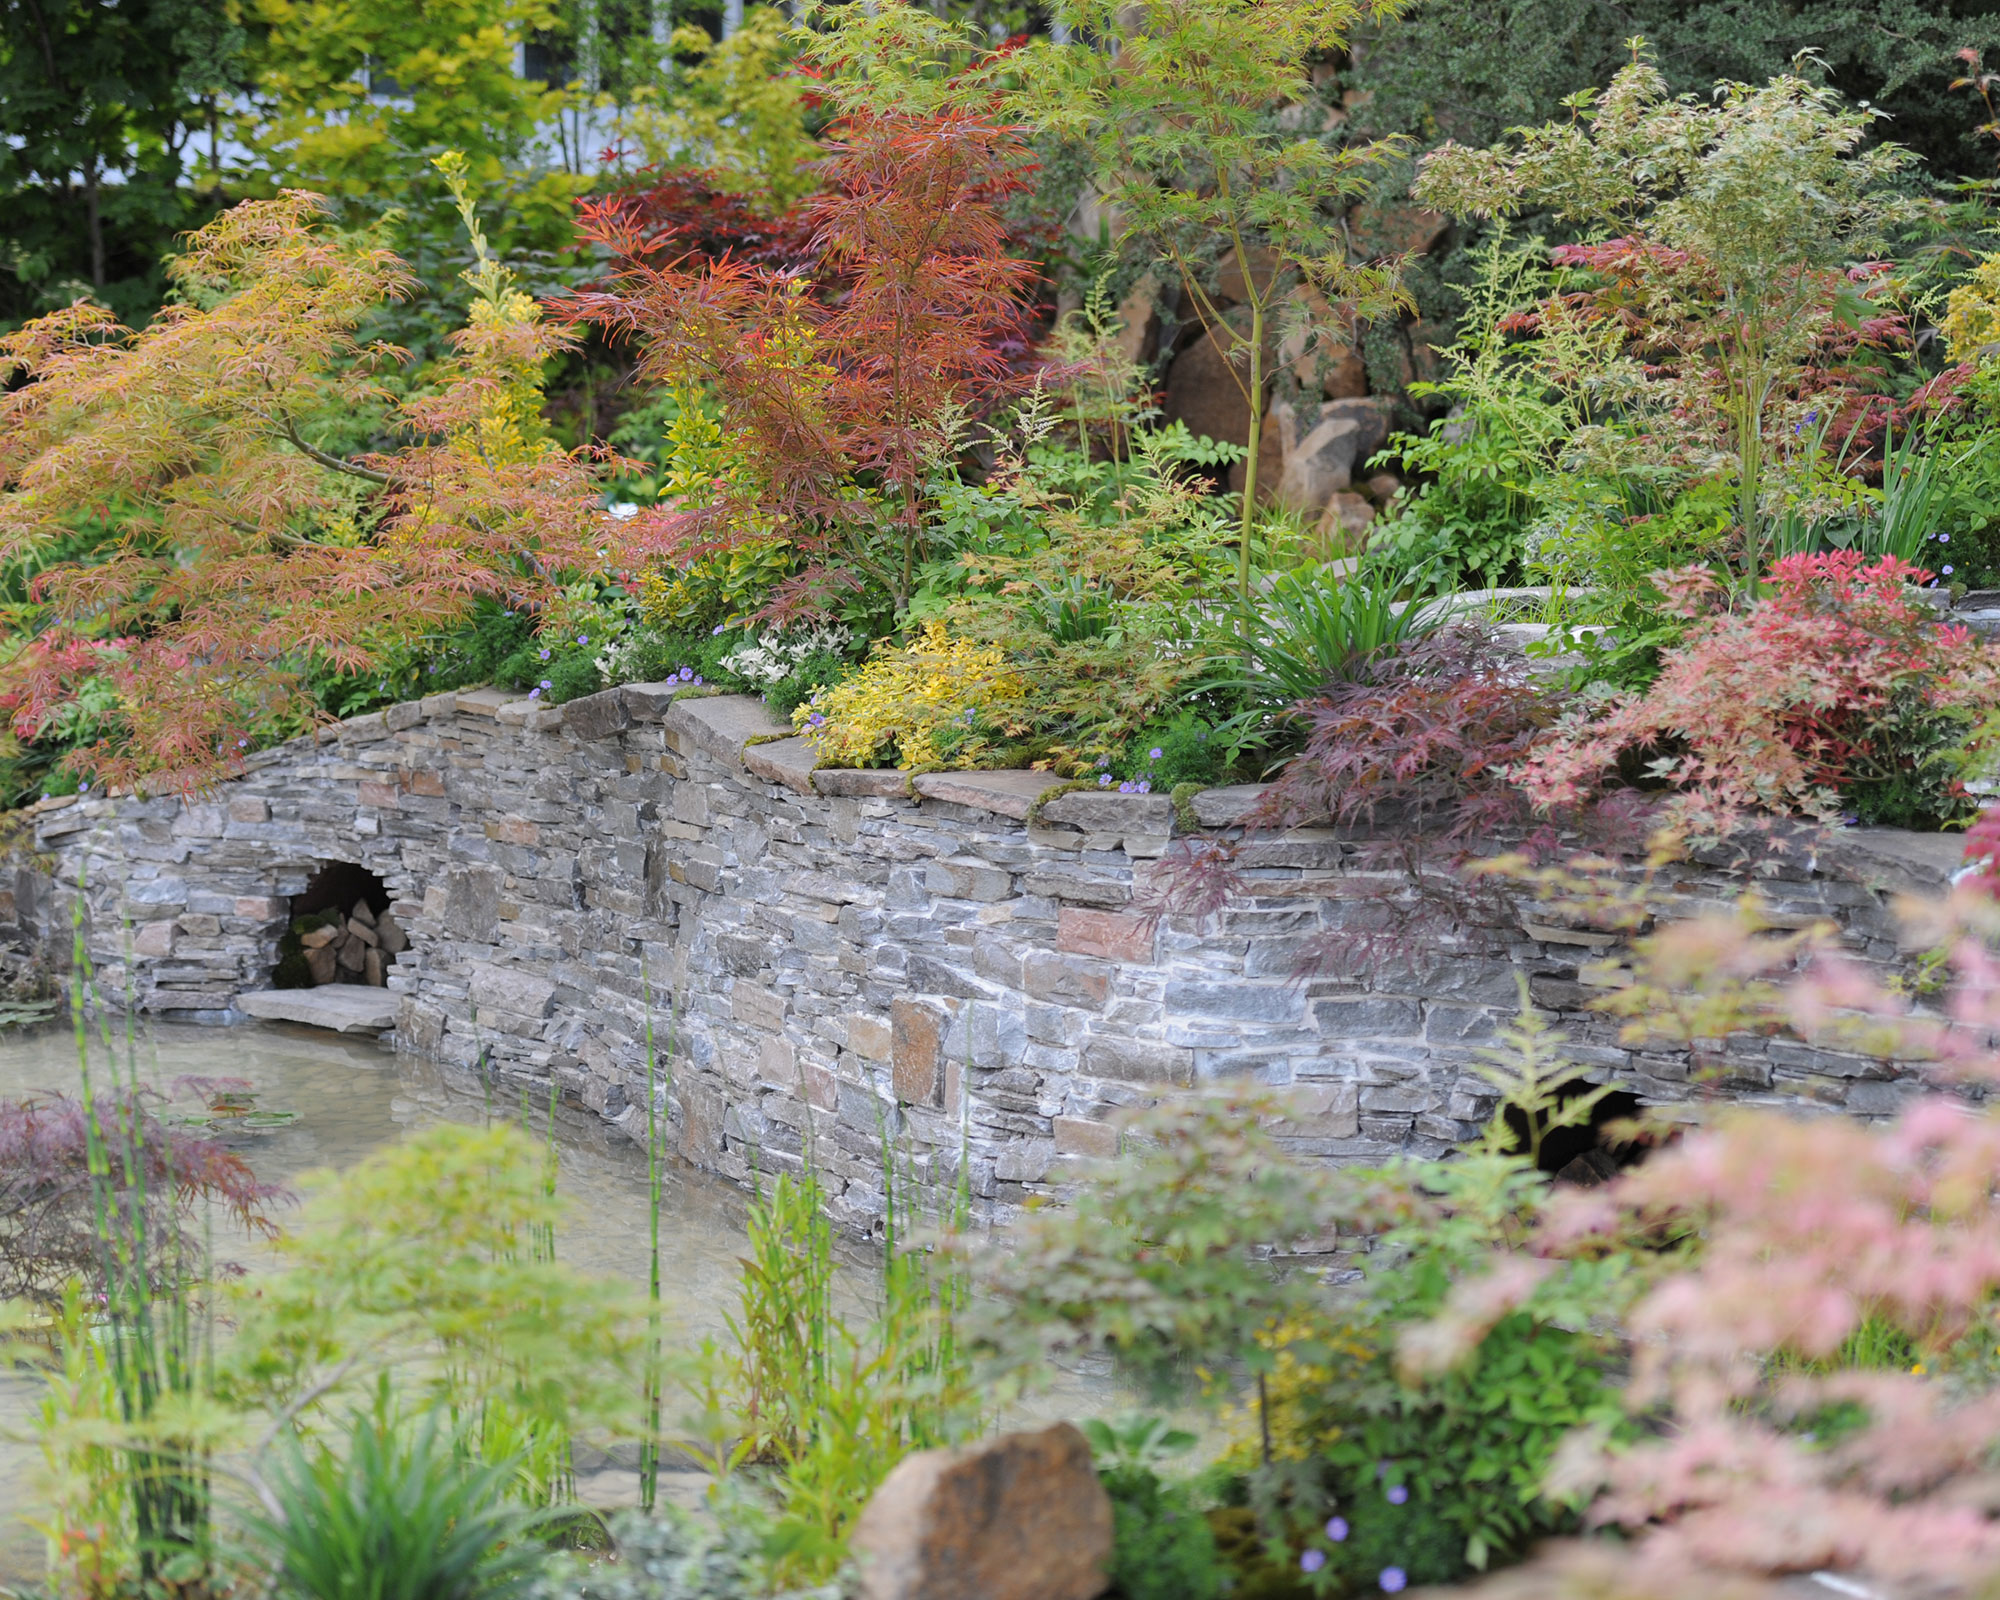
{"x":1221,"y":808}
{"x":862,"y":783}
{"x":1010,"y":794}
{"x":1108,"y":811}
{"x":722,"y":724}
{"x":343,"y":1007}
{"x":484,"y":702}
{"x":786,"y":761}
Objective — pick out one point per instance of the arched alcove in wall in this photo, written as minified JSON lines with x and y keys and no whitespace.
{"x":1585,"y":1154}
{"x":340,"y":930}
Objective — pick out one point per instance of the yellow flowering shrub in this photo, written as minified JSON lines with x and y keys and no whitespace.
{"x":934,"y":703}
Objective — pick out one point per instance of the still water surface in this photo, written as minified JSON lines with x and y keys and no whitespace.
{"x":352,"y":1097}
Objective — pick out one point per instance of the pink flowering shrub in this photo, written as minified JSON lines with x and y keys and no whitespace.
{"x":1841,"y":690}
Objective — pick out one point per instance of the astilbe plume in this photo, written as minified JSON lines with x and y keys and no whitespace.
{"x":842,"y":390}
{"x":223,"y":547}
{"x":1775,"y":708}
{"x":48,"y":1225}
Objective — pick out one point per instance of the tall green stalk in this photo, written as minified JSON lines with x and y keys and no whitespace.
{"x":154,"y":1351}
{"x":649,"y":1447}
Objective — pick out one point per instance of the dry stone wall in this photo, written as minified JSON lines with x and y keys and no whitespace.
{"x":844,"y":957}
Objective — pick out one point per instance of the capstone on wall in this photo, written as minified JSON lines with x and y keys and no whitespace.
{"x":837,"y":956}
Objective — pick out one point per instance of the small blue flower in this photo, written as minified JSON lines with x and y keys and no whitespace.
{"x":720,"y":627}
{"x":1946,"y":569}
{"x":1143,"y":786}
{"x":1397,"y":1494}
{"x":685,"y":673}
{"x":1336,"y":1529}
{"x":1312,"y":1561}
{"x":1153,"y":754}
{"x":545,"y":655}
{"x":534,"y":694}
{"x":1944,"y":538}
{"x":1394,"y":1580}
{"x":1104,"y":761}
{"x":697,"y":680}
{"x":83,"y":788}
{"x":548,"y":683}
{"x":1103,"y":778}
{"x":583,"y":638}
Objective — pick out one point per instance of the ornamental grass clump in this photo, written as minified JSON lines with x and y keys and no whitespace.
{"x":1840,"y":692}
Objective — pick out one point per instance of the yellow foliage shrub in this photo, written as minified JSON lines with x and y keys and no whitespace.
{"x":934,"y":703}
{"x":1972,"y":314}
{"x":1307,"y":1356}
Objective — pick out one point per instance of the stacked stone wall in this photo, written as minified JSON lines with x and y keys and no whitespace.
{"x":849,"y":957}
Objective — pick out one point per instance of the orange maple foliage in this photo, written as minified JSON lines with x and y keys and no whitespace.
{"x":196,"y":544}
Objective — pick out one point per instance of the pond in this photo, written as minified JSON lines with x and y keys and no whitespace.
{"x":349,"y":1098}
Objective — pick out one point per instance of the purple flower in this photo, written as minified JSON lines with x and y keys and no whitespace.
{"x":1946,"y":569}
{"x":1312,"y":1560}
{"x":583,"y":638}
{"x":718,"y":628}
{"x":548,"y":683}
{"x":1944,"y":538}
{"x":534,"y":694}
{"x":1153,"y":754}
{"x":1397,"y":1494}
{"x":1143,"y":786}
{"x":697,"y":680}
{"x":1336,"y":1529}
{"x":1103,"y":778}
{"x":83,"y":788}
{"x":1393,"y":1580}
{"x":545,"y":655}
{"x":1104,"y":761}
{"x":685,"y":673}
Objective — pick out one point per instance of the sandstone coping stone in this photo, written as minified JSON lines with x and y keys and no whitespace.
{"x":343,"y":1007}
{"x":1006,"y":793}
{"x":861,"y":783}
{"x":1892,"y":860}
{"x":648,"y":702}
{"x":1111,"y":812}
{"x":597,"y":716}
{"x":721,"y":725}
{"x":1226,"y":807}
{"x":1017,"y":1517}
{"x":783,"y":761}
{"x":484,"y":702}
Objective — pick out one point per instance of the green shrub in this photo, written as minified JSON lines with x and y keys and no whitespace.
{"x":1161,"y":1547}
{"x":1185,"y":749}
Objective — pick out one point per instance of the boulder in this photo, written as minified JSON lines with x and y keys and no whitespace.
{"x":1206,"y":394}
{"x":1017,"y":1517}
{"x":1345,"y":520}
{"x":1318,"y":465}
{"x":1370,"y":416}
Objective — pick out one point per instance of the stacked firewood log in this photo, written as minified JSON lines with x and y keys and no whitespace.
{"x":358,"y":949}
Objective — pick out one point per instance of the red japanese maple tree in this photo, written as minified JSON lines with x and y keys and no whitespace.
{"x":843,"y":383}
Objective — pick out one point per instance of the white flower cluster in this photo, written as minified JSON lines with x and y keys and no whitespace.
{"x":773,"y":657}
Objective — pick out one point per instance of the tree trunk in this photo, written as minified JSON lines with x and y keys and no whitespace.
{"x":96,"y":221}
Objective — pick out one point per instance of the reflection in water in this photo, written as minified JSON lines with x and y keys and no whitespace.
{"x":352,"y":1097}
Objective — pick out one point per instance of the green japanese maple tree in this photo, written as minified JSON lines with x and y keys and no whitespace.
{"x":1211,"y":146}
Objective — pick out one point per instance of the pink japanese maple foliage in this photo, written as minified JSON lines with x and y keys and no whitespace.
{"x":1759,"y":1248}
{"x":1774,"y":708}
